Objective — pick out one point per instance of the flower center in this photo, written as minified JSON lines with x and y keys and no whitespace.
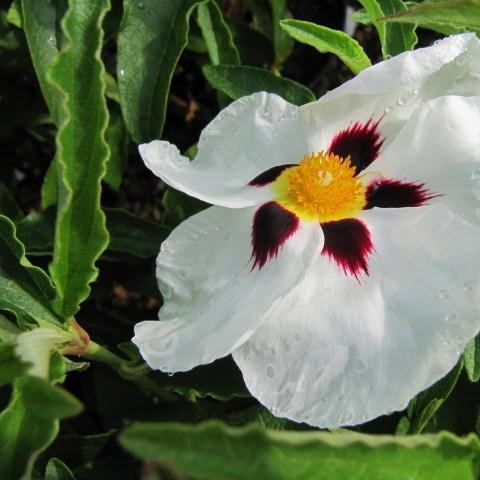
{"x":322,"y":187}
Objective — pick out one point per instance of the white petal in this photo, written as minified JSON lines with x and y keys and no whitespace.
{"x":250,"y":136}
{"x":337,"y":351}
{"x":394,"y":89}
{"x":440,"y":147}
{"x":213,"y":298}
{"x":34,"y":346}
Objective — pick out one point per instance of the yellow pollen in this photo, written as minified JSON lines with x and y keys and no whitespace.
{"x":322,"y":187}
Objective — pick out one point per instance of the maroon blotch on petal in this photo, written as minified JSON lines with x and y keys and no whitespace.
{"x":362,"y":141}
{"x":389,"y":193}
{"x":270,"y":175}
{"x":348,"y":242}
{"x":272,"y":226}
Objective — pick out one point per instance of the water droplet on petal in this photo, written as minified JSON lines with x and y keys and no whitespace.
{"x":442,"y":294}
{"x":475,"y":175}
{"x":270,"y":371}
{"x":387,"y":109}
{"x":359,"y":365}
{"x":451,"y":317}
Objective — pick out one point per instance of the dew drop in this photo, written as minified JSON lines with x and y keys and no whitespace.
{"x":416,"y":91}
{"x":451,"y":317}
{"x":475,"y":175}
{"x":359,"y":365}
{"x":401,"y":102}
{"x":270,"y":372}
{"x":170,"y":374}
{"x":387,"y":110}
{"x":442,"y":294}
{"x":141,"y":5}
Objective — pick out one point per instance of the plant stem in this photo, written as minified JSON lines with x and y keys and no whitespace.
{"x":138,"y":374}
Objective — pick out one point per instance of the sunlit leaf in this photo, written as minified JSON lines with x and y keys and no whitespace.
{"x":326,"y":40}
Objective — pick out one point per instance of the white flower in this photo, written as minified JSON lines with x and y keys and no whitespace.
{"x":347,"y":284}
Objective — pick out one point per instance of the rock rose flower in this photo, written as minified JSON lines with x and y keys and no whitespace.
{"x":340,"y":262}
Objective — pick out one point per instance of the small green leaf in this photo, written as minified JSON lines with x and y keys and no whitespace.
{"x":14,"y":14}
{"x":471,"y":358}
{"x":57,"y":470}
{"x":460,"y":14}
{"x":80,"y":235}
{"x":216,"y":451}
{"x":237,"y":81}
{"x":217,"y":35}
{"x":8,"y":205}
{"x":282,"y":43}
{"x":425,"y":405}
{"x":327,"y":40}
{"x":26,"y":290}
{"x":152,"y":36}
{"x":30,"y":423}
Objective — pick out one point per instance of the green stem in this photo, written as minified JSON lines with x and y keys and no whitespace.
{"x":138,"y":374}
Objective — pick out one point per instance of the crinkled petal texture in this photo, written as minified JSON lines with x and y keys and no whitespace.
{"x":394,"y":89}
{"x":214,"y":299}
{"x":338,"y":351}
{"x":250,"y":136}
{"x":439,"y":147}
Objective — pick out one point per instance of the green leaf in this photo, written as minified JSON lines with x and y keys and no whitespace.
{"x":398,"y":37}
{"x":237,"y":81}
{"x":327,"y":40}
{"x":30,"y":423}
{"x":375,"y":13}
{"x":8,"y":205}
{"x":460,"y":14}
{"x":14,"y":14}
{"x":217,"y":35}
{"x":117,"y":139}
{"x":26,"y":290}
{"x":129,"y":234}
{"x":471,"y":358}
{"x":57,"y":470}
{"x":282,"y":43}
{"x":41,"y":19}
{"x":216,"y":451}
{"x":425,"y":405}
{"x":133,"y":235}
{"x":80,"y":235}
{"x":254,"y":48}
{"x":11,"y":366}
{"x":152,"y":36}
{"x":179,"y":206}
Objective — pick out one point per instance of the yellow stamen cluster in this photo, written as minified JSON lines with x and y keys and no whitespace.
{"x":322,"y":187}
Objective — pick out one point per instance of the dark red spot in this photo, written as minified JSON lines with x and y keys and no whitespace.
{"x":272,"y":226}
{"x":348,"y":243}
{"x":388,"y":193}
{"x":361,"y":141}
{"x":270,"y":175}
